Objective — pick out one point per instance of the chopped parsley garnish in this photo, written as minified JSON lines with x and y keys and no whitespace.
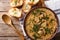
{"x":45,"y":17}
{"x":15,"y":12}
{"x":38,"y":11}
{"x":47,"y":30}
{"x":33,"y":13}
{"x":32,"y":0}
{"x":15,"y":2}
{"x":35,"y":28}
{"x":52,"y":20}
{"x":35,"y":37}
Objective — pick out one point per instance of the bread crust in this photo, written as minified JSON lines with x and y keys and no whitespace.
{"x":32,"y":3}
{"x":26,"y":8}
{"x":18,"y":3}
{"x":11,"y":13}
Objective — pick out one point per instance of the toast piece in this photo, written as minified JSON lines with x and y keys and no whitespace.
{"x":15,"y":12}
{"x":16,"y":3}
{"x":31,"y":2}
{"x":26,"y":8}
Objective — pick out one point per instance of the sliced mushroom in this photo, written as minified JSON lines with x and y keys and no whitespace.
{"x":41,"y":31}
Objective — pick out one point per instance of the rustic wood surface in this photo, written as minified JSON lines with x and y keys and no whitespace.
{"x":7,"y":33}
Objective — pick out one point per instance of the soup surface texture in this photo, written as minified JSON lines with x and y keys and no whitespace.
{"x":40,"y":24}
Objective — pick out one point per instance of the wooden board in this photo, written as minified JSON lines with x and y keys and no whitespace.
{"x":6,"y":32}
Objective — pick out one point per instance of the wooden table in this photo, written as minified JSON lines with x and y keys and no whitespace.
{"x":7,"y":33}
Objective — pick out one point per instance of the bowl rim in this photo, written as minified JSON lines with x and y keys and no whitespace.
{"x":47,"y":9}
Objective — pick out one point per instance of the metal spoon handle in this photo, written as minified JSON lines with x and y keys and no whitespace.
{"x":17,"y":31}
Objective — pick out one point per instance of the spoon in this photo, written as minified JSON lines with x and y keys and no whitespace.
{"x":8,"y":21}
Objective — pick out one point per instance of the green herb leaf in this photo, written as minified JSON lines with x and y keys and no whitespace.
{"x":40,"y":11}
{"x":47,"y":30}
{"x":32,"y":0}
{"x":33,"y":13}
{"x":15,"y":12}
{"x":46,"y":18}
{"x":37,"y":10}
{"x":40,"y":19}
{"x":15,"y":2}
{"x":35,"y":37}
{"x":52,"y":20}
{"x":35,"y":28}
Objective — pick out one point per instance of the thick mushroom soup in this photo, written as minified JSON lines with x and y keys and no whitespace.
{"x":40,"y":24}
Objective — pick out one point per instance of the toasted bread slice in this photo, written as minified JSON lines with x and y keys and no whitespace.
{"x":26,"y":8}
{"x":31,"y":2}
{"x":16,"y":3}
{"x":15,"y":12}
